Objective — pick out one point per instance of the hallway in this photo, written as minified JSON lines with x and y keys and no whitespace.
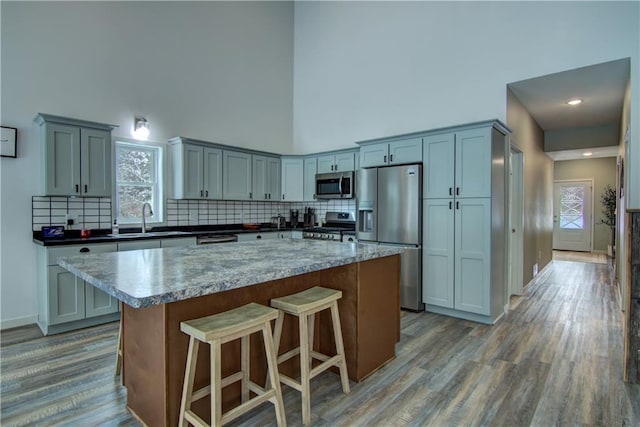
{"x":553,"y":360}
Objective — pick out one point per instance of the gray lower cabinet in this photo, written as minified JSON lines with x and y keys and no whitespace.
{"x":250,"y":237}
{"x":65,"y":301}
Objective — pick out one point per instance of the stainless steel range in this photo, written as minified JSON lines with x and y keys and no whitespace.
{"x":337,"y":224}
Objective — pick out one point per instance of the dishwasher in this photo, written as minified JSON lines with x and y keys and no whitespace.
{"x":211,"y":239}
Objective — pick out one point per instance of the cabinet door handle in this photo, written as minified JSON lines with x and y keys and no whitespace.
{"x":450,"y":191}
{"x":385,"y":159}
{"x":457,"y":191}
{"x":77,"y":188}
{"x":206,"y":193}
{"x":200,"y":193}
{"x":269,"y":196}
{"x":251,"y":195}
{"x":258,"y":237}
{"x":282,"y":196}
{"x":84,"y":250}
{"x":391,"y":157}
{"x":314,"y":195}
{"x":265,"y":196}
{"x":85,"y":188}
{"x":458,"y":205}
{"x":450,"y":206}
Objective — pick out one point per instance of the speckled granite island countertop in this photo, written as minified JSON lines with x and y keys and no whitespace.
{"x":150,"y":277}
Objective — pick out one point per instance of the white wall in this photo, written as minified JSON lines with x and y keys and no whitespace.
{"x":372,"y":69}
{"x":214,"y":71}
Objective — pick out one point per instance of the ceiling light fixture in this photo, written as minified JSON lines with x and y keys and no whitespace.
{"x":574,"y":101}
{"x":587,"y":153}
{"x":140,"y":128}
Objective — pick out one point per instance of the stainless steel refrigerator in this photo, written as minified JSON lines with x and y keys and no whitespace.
{"x":390,"y":213}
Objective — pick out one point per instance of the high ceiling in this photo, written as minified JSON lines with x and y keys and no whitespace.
{"x":601,"y":88}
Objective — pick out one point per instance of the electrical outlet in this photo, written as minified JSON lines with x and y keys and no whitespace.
{"x":71,"y":219}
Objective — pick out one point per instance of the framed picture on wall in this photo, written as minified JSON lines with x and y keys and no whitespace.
{"x":8,"y":137}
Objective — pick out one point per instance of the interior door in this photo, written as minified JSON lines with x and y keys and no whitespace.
{"x":572,"y":219}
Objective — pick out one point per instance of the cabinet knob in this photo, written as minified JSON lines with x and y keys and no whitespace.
{"x":84,"y":250}
{"x":258,"y":237}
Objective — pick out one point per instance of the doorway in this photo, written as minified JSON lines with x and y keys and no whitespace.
{"x":572,"y":218}
{"x":516,"y":222}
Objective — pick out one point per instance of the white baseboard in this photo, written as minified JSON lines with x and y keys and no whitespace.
{"x":18,"y":321}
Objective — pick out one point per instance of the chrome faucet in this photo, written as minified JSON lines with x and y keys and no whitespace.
{"x":144,"y":219}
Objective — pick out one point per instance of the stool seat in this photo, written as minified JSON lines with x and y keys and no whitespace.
{"x":305,"y":305}
{"x":215,"y":330}
{"x":306,"y":300}
{"x":228,"y":323}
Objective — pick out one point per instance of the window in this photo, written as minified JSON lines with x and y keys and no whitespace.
{"x":572,"y":208}
{"x":138,"y":181}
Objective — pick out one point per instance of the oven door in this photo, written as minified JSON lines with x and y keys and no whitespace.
{"x":334,"y":185}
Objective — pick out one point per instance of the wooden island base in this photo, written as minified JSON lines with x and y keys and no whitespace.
{"x":155,"y":350}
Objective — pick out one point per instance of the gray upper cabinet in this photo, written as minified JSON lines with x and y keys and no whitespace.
{"x":292,"y":179}
{"x":338,"y":162}
{"x":391,"y":153}
{"x":197,"y":171}
{"x":458,"y":164}
{"x":237,"y":182}
{"x":310,"y":170}
{"x":77,"y":156}
{"x":265,"y":178}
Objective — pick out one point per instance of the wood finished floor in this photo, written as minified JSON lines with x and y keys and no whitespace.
{"x":554,"y":360}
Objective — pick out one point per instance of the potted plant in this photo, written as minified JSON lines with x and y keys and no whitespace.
{"x":608,"y":200}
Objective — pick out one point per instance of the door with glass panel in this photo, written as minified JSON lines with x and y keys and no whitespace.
{"x":572,"y":219}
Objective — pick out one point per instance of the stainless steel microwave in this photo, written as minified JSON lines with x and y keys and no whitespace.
{"x":337,"y":185}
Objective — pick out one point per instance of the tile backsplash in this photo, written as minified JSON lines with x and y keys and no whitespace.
{"x":212,"y":212}
{"x":91,"y":212}
{"x":95,"y":212}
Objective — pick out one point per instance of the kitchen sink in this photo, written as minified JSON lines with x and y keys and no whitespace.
{"x":150,"y":234}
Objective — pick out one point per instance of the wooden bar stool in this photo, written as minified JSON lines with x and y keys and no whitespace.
{"x":216,"y":330}
{"x":305,"y":305}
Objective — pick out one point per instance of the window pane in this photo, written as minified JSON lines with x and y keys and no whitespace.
{"x":135,"y":165}
{"x":131,"y":199}
{"x":572,"y":208}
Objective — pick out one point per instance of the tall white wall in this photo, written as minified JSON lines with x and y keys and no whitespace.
{"x":372,"y":69}
{"x":216,"y":71}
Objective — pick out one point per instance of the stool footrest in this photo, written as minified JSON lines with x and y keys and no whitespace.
{"x":248,"y":405}
{"x":194,"y":419}
{"x":287,"y":380}
{"x":288,"y":355}
{"x":334,"y":361}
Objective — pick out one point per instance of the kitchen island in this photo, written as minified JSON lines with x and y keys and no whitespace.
{"x":162,"y":287}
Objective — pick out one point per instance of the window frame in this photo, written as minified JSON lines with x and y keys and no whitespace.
{"x":158,"y":187}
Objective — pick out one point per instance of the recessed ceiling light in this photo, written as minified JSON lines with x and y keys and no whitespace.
{"x":587,"y":153}
{"x":574,"y":102}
